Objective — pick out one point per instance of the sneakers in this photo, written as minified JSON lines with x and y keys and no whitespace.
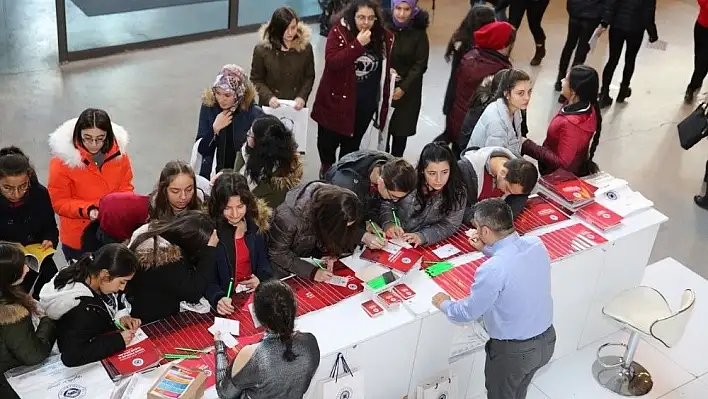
{"x":605,"y":100}
{"x":625,"y":92}
{"x":690,"y":95}
{"x":540,"y":53}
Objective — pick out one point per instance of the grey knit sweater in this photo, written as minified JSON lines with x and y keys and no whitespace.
{"x":266,"y":375}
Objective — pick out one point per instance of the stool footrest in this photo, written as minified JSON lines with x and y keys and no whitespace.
{"x":599,"y":356}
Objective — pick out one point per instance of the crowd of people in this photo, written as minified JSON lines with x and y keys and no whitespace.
{"x":245,"y":217}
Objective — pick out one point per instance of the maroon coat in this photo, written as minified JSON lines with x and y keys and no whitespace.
{"x":335,"y":102}
{"x":476,"y":65}
{"x":567,"y":141}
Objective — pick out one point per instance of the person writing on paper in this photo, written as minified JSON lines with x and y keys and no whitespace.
{"x":176,"y":192}
{"x":242,"y":253}
{"x":627,"y":20}
{"x":583,"y":18}
{"x":316,"y":221}
{"x":512,"y":294}
{"x":409,"y":58}
{"x":352,"y":91}
{"x":280,"y":366}
{"x":177,"y":259}
{"x":269,"y":160}
{"x":26,"y":214}
{"x":494,"y":172}
{"x":434,"y":210}
{"x":574,"y":133}
{"x":227,"y":113}
{"x":283,"y":64}
{"x":88,"y":162}
{"x":501,"y":122}
{"x":90,"y":310}
{"x":20,"y":343}
{"x":374,"y":176}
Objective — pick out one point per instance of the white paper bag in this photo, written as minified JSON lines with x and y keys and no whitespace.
{"x":293,"y":119}
{"x":440,"y":387}
{"x":343,"y":383}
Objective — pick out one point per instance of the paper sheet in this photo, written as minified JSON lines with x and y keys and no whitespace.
{"x":225,"y":326}
{"x":392,"y":248}
{"x":446,"y":251}
{"x":595,"y":37}
{"x":229,"y":340}
{"x":660,"y":45}
{"x":293,"y":119}
{"x":139,"y":337}
{"x":338,"y":281}
{"x":240,"y":288}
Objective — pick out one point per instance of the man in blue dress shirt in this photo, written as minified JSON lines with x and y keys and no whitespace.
{"x":512,"y":294}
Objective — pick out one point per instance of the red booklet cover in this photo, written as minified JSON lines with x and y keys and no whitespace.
{"x":403,"y":291}
{"x":403,"y":260}
{"x":133,"y":359}
{"x":599,"y":216}
{"x":389,"y":299}
{"x":568,"y":186}
{"x":538,"y":213}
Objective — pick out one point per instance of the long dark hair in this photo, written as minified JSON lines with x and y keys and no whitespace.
{"x":332,"y":208}
{"x":585,"y":82}
{"x":12,"y":266}
{"x":478,"y":16}
{"x":273,"y":151}
{"x":275,"y":307}
{"x":14,"y":162}
{"x":279,"y":22}
{"x":116,"y":259}
{"x":94,"y":118}
{"x":454,"y":191}
{"x":160,"y":207}
{"x":190,"y":231}
{"x":378,"y":32}
{"x":230,"y":184}
{"x":509,"y":78}
{"x":487,"y":90}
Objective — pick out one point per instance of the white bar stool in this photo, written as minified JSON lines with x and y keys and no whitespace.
{"x":645,"y":312}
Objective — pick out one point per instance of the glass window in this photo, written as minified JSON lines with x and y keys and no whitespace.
{"x":252,"y":12}
{"x":94,"y":24}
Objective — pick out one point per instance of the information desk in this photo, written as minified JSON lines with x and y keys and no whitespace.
{"x":402,"y":347}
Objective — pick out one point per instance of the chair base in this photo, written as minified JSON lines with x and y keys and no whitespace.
{"x":635,"y":381}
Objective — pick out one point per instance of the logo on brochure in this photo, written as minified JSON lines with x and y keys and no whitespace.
{"x":612,"y":195}
{"x":406,"y":260}
{"x":345,"y":393}
{"x":553,"y":217}
{"x":352,"y":287}
{"x":72,"y":391}
{"x":137,"y":362}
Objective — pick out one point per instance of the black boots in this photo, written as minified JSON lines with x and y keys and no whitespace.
{"x":625,"y":92}
{"x":540,"y":53}
{"x":690,"y":95}
{"x":701,"y":201}
{"x":604,"y":100}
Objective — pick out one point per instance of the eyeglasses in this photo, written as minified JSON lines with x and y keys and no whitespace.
{"x":91,"y":140}
{"x":18,"y":189}
{"x":365,"y":18}
{"x":391,"y":197}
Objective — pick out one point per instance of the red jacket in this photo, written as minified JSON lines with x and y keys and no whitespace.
{"x":476,"y":65}
{"x":703,"y":13}
{"x":567,"y":141}
{"x":335,"y":102}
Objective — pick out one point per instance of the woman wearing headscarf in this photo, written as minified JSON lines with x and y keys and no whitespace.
{"x":409,"y":58}
{"x":228,"y":110}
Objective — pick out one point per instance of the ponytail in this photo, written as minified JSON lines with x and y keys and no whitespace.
{"x":116,"y":259}
{"x":275,"y":307}
{"x":590,"y":167}
{"x":286,"y":334}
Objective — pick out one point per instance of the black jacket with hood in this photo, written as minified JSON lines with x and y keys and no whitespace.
{"x":167,"y":278}
{"x":20,"y":344}
{"x":86,"y":329}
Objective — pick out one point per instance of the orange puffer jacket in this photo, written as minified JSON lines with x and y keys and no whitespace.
{"x":76,"y":183}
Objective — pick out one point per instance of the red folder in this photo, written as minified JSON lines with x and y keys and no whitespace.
{"x":133,"y":359}
{"x":599,"y":216}
{"x":403,"y":260}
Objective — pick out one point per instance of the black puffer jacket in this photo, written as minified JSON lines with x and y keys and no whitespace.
{"x":586,"y":9}
{"x":631,"y":16}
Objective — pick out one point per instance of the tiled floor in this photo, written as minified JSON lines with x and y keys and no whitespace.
{"x":155,"y":94}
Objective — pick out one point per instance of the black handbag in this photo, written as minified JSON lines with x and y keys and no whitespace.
{"x":694,"y":128}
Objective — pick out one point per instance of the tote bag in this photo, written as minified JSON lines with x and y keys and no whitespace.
{"x":694,"y":128}
{"x":347,"y":385}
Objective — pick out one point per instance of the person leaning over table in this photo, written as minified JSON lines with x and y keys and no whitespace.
{"x":374,"y":176}
{"x":317,"y":220}
{"x":434,"y":210}
{"x":512,"y":294}
{"x":283,"y":64}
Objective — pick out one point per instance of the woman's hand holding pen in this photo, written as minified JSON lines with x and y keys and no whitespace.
{"x":394,"y":231}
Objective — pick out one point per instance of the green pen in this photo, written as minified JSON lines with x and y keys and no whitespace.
{"x":231,"y":286}
{"x":376,"y":230}
{"x":120,"y":327}
{"x":317,"y":263}
{"x":178,"y":356}
{"x":395,"y":218}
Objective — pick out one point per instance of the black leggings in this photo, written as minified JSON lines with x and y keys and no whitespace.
{"x":534,"y":10}
{"x":579,"y":33}
{"x":700,"y":56}
{"x":328,"y":140}
{"x":617,"y":40}
{"x":396,"y":145}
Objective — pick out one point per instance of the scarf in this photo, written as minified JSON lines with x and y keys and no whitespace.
{"x":232,"y":79}
{"x":414,"y":6}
